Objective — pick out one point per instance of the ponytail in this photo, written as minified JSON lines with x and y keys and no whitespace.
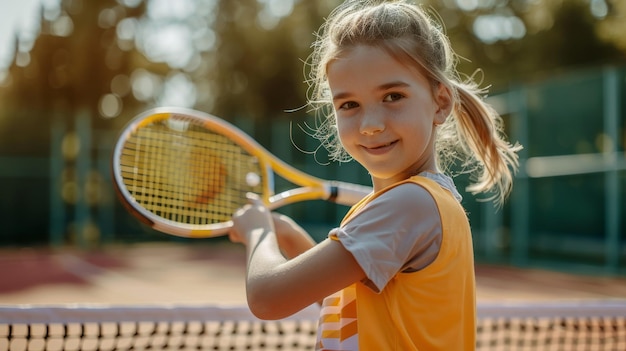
{"x":474,"y":133}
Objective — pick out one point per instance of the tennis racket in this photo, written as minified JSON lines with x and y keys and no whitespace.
{"x":185,"y":173}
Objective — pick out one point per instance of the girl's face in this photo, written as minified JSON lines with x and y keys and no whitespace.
{"x":386,"y":113}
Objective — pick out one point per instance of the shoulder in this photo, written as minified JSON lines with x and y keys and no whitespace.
{"x":401,"y":204}
{"x":407,"y":195}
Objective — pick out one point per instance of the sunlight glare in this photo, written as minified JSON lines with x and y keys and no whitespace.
{"x":167,"y":9}
{"x":493,"y":28}
{"x":178,"y":90}
{"x":144,"y":84}
{"x":273,"y":11}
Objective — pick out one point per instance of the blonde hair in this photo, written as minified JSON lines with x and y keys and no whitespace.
{"x":472,"y":133}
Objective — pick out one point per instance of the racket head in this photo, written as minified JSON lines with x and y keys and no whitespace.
{"x":185,"y":172}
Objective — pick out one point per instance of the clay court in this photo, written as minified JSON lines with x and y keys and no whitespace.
{"x":213,"y":273}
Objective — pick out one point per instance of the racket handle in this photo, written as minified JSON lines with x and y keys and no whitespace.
{"x":347,"y":193}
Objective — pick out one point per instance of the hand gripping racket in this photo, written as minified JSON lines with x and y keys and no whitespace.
{"x":185,"y":173}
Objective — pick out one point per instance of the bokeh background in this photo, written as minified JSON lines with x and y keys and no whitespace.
{"x":74,"y":72}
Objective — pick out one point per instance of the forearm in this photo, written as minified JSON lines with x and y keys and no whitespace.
{"x":270,"y":281}
{"x":263,"y":253}
{"x":292,"y":239}
{"x":264,"y":281}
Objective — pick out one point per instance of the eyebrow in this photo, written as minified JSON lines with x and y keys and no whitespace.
{"x":383,"y":87}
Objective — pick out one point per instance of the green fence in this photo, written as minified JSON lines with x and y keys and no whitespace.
{"x":567,"y":209}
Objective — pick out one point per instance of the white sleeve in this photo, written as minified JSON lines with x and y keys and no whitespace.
{"x":400,"y":229}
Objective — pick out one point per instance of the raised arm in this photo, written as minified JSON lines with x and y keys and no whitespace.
{"x":278,"y":287}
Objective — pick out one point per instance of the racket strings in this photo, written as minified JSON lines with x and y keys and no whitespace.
{"x":188,"y":175}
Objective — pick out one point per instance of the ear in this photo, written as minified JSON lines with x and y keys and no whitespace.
{"x":443,"y":98}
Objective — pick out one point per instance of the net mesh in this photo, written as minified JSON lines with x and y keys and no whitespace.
{"x":573,"y":326}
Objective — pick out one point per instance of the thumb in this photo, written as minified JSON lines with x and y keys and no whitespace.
{"x":254,"y":199}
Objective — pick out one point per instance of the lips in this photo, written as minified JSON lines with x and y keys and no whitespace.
{"x":378,"y":149}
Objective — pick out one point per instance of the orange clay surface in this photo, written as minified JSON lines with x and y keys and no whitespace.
{"x":213,"y":273}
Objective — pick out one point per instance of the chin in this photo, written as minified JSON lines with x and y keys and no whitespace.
{"x":383,"y":175}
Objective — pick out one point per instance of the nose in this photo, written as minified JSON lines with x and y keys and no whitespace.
{"x":372,"y":123}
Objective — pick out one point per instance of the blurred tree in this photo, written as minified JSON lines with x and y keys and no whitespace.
{"x":256,"y":69}
{"x":81,"y":63}
{"x":259,"y":57}
{"x":612,"y":18}
{"x":244,"y":59}
{"x":518,"y":41}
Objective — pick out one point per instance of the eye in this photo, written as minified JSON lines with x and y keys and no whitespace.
{"x":348,"y":105}
{"x":393,"y":97}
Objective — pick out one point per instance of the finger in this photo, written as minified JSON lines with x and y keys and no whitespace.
{"x":231,"y":236}
{"x":254,"y":199}
{"x":234,"y":236}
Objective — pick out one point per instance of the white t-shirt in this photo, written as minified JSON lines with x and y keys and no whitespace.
{"x":408,"y":240}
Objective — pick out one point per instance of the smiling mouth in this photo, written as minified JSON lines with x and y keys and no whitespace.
{"x":381,"y":146}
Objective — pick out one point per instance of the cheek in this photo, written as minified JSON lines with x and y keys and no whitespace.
{"x":345,"y":133}
{"x":342,"y":128}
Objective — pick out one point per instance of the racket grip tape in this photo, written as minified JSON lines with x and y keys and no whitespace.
{"x":333,"y":193}
{"x":346,"y":193}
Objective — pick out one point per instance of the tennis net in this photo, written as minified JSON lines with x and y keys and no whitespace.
{"x":565,"y":326}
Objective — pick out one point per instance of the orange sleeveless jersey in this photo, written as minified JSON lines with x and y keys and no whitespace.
{"x":431,"y":309}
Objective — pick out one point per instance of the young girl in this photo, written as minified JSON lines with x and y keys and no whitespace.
{"x":398,"y":273}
